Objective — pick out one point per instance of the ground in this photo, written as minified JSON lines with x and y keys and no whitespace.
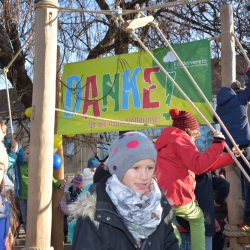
{"x":20,"y":241}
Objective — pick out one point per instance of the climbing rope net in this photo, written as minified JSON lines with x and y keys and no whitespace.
{"x":130,"y":27}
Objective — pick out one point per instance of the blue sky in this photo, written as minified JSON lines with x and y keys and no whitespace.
{"x":2,"y":82}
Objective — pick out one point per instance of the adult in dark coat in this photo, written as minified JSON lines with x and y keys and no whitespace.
{"x":232,"y":106}
{"x":126,"y":210}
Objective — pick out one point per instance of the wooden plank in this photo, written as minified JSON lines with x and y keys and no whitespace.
{"x":136,"y":23}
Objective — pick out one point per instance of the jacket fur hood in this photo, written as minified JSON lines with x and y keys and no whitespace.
{"x":169,"y":135}
{"x":84,"y":206}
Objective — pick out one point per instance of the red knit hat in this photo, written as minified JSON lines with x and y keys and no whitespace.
{"x":183,"y":119}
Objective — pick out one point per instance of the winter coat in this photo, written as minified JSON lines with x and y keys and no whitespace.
{"x":15,"y":162}
{"x":178,"y":160}
{"x":24,"y":181}
{"x":16,"y":159}
{"x":100,"y":227}
{"x":205,"y":198}
{"x":232,"y":110}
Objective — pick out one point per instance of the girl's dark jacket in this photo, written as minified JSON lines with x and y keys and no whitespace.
{"x":100,"y":227}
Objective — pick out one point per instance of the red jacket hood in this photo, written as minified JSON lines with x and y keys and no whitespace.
{"x":168,"y":135}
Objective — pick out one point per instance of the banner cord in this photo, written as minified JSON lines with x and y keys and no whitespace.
{"x":128,"y":12}
{"x":111,"y":120}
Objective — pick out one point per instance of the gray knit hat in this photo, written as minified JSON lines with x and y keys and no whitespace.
{"x":128,"y":149}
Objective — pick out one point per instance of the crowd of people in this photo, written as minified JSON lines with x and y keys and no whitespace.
{"x":147,"y":194}
{"x":13,"y":188}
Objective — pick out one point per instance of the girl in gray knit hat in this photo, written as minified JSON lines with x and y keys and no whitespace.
{"x":126,"y":210}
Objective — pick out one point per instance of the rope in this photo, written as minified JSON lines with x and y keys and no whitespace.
{"x":210,"y":106}
{"x":104,"y":12}
{"x":234,"y":231}
{"x":170,"y":4}
{"x":107,"y":119}
{"x":241,"y":49}
{"x":135,"y":37}
{"x":128,"y":12}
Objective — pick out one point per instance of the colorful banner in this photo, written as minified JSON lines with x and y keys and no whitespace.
{"x":132,"y":88}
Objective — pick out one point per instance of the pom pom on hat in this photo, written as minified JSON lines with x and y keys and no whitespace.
{"x":183,"y":119}
{"x":128,"y":149}
{"x":174,"y":113}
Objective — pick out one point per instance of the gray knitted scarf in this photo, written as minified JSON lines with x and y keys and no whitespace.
{"x":141,"y":213}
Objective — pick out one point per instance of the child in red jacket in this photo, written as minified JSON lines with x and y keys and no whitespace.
{"x":178,"y":161}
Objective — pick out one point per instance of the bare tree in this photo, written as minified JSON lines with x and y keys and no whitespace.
{"x":16,"y":20}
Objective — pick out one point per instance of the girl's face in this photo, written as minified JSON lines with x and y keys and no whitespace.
{"x":194,"y":134}
{"x":139,"y":176}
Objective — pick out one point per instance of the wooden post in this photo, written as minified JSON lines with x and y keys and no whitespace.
{"x":42,"y":127}
{"x":228,"y":68}
{"x":57,"y":234}
{"x":228,"y":59}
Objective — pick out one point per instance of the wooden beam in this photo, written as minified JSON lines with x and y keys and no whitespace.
{"x":42,"y":127}
{"x":228,"y":71}
{"x":136,"y":23}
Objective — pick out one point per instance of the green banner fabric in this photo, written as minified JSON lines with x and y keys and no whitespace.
{"x":131,"y":88}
